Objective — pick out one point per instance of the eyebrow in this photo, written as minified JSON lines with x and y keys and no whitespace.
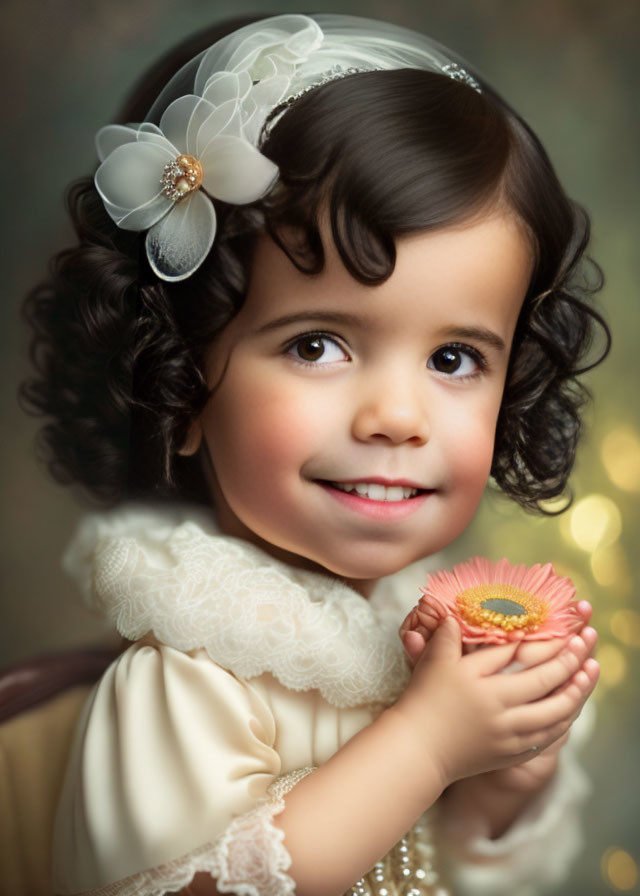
{"x":330,"y":317}
{"x":480,"y":334}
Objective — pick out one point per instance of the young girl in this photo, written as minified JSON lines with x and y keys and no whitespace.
{"x":326,"y":289}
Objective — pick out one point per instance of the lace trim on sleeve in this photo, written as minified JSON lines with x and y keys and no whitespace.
{"x":249,"y":859}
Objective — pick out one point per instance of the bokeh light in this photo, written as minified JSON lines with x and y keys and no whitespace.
{"x":595,"y":522}
{"x":621,"y":458}
{"x":554,"y":505}
{"x":613,"y":665}
{"x":625,"y":625}
{"x":619,"y":869}
{"x":610,"y":568}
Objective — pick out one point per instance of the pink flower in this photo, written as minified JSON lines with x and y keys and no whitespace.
{"x":498,"y":602}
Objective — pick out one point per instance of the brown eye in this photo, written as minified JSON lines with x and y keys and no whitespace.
{"x":455,"y":361}
{"x":447,"y":360}
{"x":316,"y":348}
{"x":311,"y":348}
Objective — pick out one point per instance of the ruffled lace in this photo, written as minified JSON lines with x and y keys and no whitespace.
{"x":250,"y":859}
{"x":171,"y":573}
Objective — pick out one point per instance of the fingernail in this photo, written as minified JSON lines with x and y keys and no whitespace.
{"x":576,"y":641}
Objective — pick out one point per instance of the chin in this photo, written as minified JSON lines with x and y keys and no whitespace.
{"x":373,"y":565}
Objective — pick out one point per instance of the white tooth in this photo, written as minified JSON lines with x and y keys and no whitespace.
{"x":377,"y":492}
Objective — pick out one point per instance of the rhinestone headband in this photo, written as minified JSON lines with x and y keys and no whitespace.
{"x":452,"y":70}
{"x":332,"y":75}
{"x":201,"y":143}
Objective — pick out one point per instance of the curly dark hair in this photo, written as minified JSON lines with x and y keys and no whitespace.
{"x":119,"y":354}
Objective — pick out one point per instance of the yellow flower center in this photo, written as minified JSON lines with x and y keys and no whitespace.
{"x":181,"y":177}
{"x":501,"y":606}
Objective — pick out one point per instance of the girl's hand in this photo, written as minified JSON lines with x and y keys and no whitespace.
{"x":533,"y":773}
{"x":471,"y":720}
{"x":417,"y":629}
{"x":490,"y":802}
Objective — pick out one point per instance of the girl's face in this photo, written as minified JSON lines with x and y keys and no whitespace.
{"x":352,"y":427}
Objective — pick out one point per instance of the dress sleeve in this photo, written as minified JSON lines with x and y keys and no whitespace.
{"x":536,"y":853}
{"x":173,"y":771}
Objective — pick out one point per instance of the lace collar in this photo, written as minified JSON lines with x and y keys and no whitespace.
{"x":170,"y":572}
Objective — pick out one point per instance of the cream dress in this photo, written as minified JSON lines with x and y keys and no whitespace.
{"x":245,"y":675}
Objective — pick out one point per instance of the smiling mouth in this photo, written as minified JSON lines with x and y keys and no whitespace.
{"x":375,"y":491}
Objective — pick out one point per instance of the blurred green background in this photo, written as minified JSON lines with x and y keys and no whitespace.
{"x":571,"y":67}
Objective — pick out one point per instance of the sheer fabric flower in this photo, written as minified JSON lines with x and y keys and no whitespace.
{"x":163,"y":178}
{"x":495,"y":603}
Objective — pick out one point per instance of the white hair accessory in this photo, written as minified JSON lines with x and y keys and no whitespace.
{"x":201,"y":138}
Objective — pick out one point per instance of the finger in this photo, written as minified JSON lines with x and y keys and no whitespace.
{"x":445,"y":643}
{"x":564,"y":706}
{"x":430,"y":614}
{"x":585,"y":681}
{"x":588,"y":635}
{"x":526,"y":746}
{"x":590,"y":666}
{"x":409,"y":621}
{"x":491,"y":658}
{"x":585,"y":610}
{"x":557,"y":745}
{"x":541,"y":680}
{"x":422,"y":618}
{"x":532,"y":653}
{"x":413,"y":643}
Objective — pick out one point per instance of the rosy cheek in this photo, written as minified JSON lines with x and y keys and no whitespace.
{"x":256,"y":440}
{"x":471,"y":466}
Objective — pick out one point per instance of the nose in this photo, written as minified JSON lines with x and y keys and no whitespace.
{"x":392,"y":407}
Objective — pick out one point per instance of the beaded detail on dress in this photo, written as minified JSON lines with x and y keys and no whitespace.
{"x":409,"y":869}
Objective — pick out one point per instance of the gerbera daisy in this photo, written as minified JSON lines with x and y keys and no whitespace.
{"x":498,"y":602}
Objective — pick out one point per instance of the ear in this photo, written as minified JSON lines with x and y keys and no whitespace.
{"x":192,"y":440}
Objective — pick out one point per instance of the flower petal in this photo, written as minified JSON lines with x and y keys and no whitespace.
{"x":290,"y":34}
{"x":235,"y":171}
{"x":111,"y":137}
{"x":176,"y":118}
{"x":304,"y":40}
{"x":270,"y":91}
{"x":129,"y":178}
{"x":215,"y":123}
{"x":224,"y":86}
{"x":251,"y":48}
{"x":148,"y":127}
{"x":263,"y":97}
{"x":294,"y":33}
{"x":179,"y":243}
{"x":147,"y":215}
{"x":139,"y":218}
{"x":151,"y":134}
{"x":267,"y":66}
{"x":547,"y":597}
